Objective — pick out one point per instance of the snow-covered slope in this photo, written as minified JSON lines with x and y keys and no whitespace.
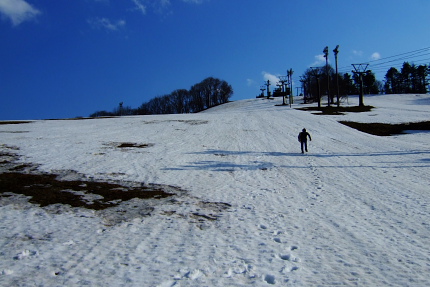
{"x":254,"y":211}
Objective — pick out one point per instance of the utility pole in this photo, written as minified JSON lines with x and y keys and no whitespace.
{"x":360,"y":69}
{"x":268,"y":88}
{"x":336,"y":51}
{"x":120,"y":109}
{"x":283,"y":80}
{"x":316,"y":73}
{"x":328,"y":77}
{"x":290,"y":75}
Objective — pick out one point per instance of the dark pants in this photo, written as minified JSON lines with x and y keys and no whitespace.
{"x":304,"y":144}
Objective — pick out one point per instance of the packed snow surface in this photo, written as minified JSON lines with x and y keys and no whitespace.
{"x":251,"y":210}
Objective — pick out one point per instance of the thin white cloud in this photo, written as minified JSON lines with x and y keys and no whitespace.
{"x":272,"y":78}
{"x":375,"y":56}
{"x":164,"y":3}
{"x":249,"y":82}
{"x":139,"y":6}
{"x":357,"y":53}
{"x":319,"y":60}
{"x":18,"y":11}
{"x":193,"y":1}
{"x":157,"y":6}
{"x":104,"y":23}
{"x":162,"y":7}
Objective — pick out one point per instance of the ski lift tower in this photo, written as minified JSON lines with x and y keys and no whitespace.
{"x":120,"y":108}
{"x":283,"y":80}
{"x":268,"y":88}
{"x":360,"y":70}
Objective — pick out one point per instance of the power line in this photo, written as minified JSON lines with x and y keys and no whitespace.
{"x":398,"y":58}
{"x":400,"y":64}
{"x":411,"y":53}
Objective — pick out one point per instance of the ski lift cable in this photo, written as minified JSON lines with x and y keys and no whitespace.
{"x":404,"y":56}
{"x":416,"y":62}
{"x":401,"y":59}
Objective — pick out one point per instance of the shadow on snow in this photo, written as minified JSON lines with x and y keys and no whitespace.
{"x":229,"y":166}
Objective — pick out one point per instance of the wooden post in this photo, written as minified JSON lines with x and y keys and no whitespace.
{"x":327,"y":74}
{"x":336,"y":51}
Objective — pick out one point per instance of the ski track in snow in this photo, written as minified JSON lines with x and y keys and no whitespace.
{"x":353,"y":211}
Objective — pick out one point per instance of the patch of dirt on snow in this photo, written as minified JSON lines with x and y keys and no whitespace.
{"x":46,"y":189}
{"x":68,"y":189}
{"x":383,"y":129}
{"x":14,"y":122}
{"x":62,"y":191}
{"x":190,"y":122}
{"x":8,"y":158}
{"x":334,"y":110}
{"x":126,"y":145}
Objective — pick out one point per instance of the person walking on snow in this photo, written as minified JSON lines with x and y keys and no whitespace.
{"x":303,"y":139}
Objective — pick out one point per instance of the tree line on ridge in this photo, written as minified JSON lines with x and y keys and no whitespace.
{"x":208,"y":93}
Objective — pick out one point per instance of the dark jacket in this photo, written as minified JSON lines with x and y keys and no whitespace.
{"x":303,"y":136}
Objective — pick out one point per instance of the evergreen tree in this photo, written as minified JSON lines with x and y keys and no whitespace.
{"x":407,"y":74}
{"x":370,"y":85}
{"x":346,"y":85}
{"x":410,"y":79}
{"x":422,"y":73}
{"x":392,"y":81}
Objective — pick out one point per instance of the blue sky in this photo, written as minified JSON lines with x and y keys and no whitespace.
{"x":62,"y":58}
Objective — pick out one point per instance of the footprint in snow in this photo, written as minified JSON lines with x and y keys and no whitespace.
{"x":285,"y":257}
{"x":194,"y":274}
{"x":25,"y":254}
{"x":270,"y":279}
{"x":287,"y":269}
{"x":289,"y":257}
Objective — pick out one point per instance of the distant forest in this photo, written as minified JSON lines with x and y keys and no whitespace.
{"x":208,"y":93}
{"x":410,"y":79}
